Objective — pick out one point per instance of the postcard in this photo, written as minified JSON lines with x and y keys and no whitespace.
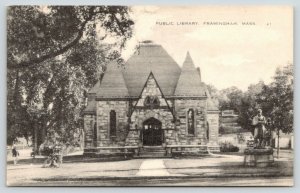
{"x":150,"y":96}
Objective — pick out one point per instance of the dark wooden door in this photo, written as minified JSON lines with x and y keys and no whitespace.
{"x":152,"y":132}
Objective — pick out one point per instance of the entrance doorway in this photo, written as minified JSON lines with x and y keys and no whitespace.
{"x":152,"y":132}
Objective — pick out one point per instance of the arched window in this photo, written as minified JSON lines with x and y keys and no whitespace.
{"x":191,"y":122}
{"x":113,"y":123}
{"x":151,"y":101}
{"x":147,"y":101}
{"x":155,"y":101}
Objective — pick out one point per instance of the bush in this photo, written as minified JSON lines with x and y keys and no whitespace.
{"x":228,"y":147}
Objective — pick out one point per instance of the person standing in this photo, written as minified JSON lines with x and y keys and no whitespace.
{"x":15,"y":154}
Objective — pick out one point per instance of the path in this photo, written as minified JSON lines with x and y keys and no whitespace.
{"x":153,"y":167}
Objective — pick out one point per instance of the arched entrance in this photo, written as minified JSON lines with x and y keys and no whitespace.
{"x":152,"y":132}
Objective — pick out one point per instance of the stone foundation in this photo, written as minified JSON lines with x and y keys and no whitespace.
{"x":177,"y":151}
{"x":111,"y":152}
{"x":129,"y":152}
{"x":258,"y":157}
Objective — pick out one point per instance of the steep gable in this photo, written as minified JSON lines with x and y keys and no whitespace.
{"x":113,"y":83}
{"x":151,"y":58}
{"x":151,"y":89}
{"x":189,"y":83}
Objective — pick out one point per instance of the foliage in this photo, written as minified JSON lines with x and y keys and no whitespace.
{"x":232,"y":99}
{"x":228,"y":147}
{"x":275,"y":99}
{"x":55,"y":55}
{"x":249,"y":105}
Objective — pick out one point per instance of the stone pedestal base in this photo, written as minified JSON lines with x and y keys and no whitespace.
{"x":258,"y":157}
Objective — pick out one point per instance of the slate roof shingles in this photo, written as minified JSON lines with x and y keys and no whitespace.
{"x":189,"y":83}
{"x":151,"y":58}
{"x":129,"y":81}
{"x":113,"y":84}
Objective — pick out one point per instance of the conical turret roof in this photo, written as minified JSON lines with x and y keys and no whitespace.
{"x":189,"y":83}
{"x":113,"y":83}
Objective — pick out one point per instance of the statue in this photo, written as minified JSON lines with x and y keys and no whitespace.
{"x":260,"y":155}
{"x":268,"y":133}
{"x":260,"y":131}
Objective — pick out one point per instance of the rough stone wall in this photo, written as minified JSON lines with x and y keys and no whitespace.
{"x":89,"y":121}
{"x":103,"y":123}
{"x":213,"y":122}
{"x":141,"y":115}
{"x":151,"y":89}
{"x":200,"y":115}
{"x":170,"y":103}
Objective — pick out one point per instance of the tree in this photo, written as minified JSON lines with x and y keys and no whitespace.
{"x":276,"y":99}
{"x":213,"y":91}
{"x":55,"y":55}
{"x":249,"y":105}
{"x":230,"y":98}
{"x":36,"y":35}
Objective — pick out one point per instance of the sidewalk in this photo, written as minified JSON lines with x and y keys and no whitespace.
{"x":215,"y":166}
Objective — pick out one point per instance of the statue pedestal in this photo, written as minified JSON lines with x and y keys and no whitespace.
{"x":258,"y":157}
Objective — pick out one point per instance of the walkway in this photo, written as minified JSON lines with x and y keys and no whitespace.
{"x":156,"y":171}
{"x":153,"y":167}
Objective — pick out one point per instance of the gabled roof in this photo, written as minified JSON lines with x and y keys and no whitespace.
{"x":112,"y":84}
{"x":189,"y":83}
{"x":163,"y":102}
{"x":151,"y":58}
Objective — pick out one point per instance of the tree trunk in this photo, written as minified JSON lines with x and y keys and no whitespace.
{"x":278,"y":143}
{"x":35,"y":138}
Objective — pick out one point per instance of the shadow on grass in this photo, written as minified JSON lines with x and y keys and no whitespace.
{"x":70,"y":159}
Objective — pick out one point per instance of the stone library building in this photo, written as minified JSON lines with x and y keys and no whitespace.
{"x":150,"y":107}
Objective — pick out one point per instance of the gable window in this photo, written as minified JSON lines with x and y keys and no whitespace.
{"x":191,"y":122}
{"x":151,"y":101}
{"x":113,"y":123}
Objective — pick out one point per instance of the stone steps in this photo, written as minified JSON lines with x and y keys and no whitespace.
{"x":151,"y":157}
{"x":152,"y":152}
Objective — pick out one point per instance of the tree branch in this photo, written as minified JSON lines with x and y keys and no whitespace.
{"x":60,"y":51}
{"x":118,"y":23}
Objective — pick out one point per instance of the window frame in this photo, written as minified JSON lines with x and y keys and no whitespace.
{"x":193,"y":121}
{"x":151,"y":101}
{"x":112,"y":134}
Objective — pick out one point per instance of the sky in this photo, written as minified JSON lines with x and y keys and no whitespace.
{"x":228,"y":52}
